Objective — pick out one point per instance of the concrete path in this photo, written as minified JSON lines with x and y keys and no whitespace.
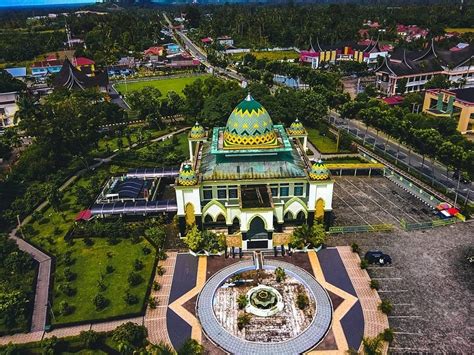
{"x":40,"y":308}
{"x":155,"y":319}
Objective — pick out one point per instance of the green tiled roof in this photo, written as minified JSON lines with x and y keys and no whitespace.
{"x":249,"y":125}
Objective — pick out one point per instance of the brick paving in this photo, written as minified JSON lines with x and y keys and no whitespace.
{"x":155,"y":319}
{"x":374,"y":321}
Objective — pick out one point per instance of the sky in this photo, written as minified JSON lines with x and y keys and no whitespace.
{"x":11,"y":3}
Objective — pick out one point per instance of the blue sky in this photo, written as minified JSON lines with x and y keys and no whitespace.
{"x":9,"y":3}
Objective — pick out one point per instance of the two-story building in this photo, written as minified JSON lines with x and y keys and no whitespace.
{"x":252,"y":178}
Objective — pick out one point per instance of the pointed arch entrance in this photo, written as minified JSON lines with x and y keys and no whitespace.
{"x":257,"y":229}
{"x":189,"y":214}
{"x":319,"y":213}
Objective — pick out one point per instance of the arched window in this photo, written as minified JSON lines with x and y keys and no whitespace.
{"x":208,"y":219}
{"x":300,"y":216}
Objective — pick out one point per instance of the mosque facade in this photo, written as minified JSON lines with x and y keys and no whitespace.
{"x":251,"y":178}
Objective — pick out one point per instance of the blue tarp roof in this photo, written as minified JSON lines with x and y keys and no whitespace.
{"x":17,"y":72}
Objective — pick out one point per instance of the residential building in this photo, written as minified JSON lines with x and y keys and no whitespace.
{"x":225,"y":41}
{"x":410,"y":71}
{"x":367,"y":52}
{"x":181,"y":60}
{"x":411,"y":33}
{"x":8,"y":108}
{"x":457,"y":104}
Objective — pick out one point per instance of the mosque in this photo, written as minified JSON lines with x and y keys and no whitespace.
{"x":251,"y":177}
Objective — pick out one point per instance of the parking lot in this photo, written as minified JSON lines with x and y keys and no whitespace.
{"x":362,"y":200}
{"x":429,"y":283}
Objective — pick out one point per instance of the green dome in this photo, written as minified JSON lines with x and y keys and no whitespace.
{"x":187,"y":175}
{"x":249,"y":125}
{"x":319,"y":171}
{"x":296,"y":128}
{"x":197,"y":132}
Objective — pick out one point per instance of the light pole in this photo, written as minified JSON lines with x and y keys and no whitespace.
{"x":457,"y":188}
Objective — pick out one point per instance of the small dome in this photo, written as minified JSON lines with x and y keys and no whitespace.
{"x":197,"y":132}
{"x":319,"y":171}
{"x":250,"y":125}
{"x":296,"y":128}
{"x":187,"y":175}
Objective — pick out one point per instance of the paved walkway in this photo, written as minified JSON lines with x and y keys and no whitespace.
{"x":155,"y":319}
{"x":374,"y":320}
{"x":40,"y":307}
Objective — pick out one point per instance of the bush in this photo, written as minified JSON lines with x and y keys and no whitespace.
{"x":355,"y":248}
{"x":243,"y":320}
{"x":137,"y":264}
{"x":68,"y":274}
{"x":160,"y":270}
{"x":162,"y":255}
{"x":49,"y":346}
{"x":68,"y":260}
{"x":302,"y":300}
{"x":372,"y":345}
{"x":112,"y":239}
{"x":388,"y":335}
{"x":146,"y":250}
{"x":67,"y":289}
{"x":156,"y":286}
{"x":364,"y":264}
{"x":280,"y":274}
{"x":65,"y":309}
{"x":101,"y":286}
{"x":374,"y":284}
{"x":91,"y":339}
{"x":134,"y":279}
{"x":191,"y":347}
{"x":130,"y":333}
{"x":130,"y":298}
{"x":135,"y":239}
{"x":100,"y":302}
{"x":385,"y":306}
{"x":109,"y":269}
{"x":242,"y":301}
{"x":152,"y":302}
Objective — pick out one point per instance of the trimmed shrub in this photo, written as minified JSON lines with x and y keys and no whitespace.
{"x":134,"y":279}
{"x":374,"y":284}
{"x":242,"y":301}
{"x":69,"y":275}
{"x":137,"y":264}
{"x":130,"y":298}
{"x":156,"y":286}
{"x":160,"y":270}
{"x":109,"y":269}
{"x":388,"y":334}
{"x":100,"y":302}
{"x":67,"y":289}
{"x":152,"y":302}
{"x":385,"y":306}
{"x":65,"y":309}
{"x":130,"y":333}
{"x":243,"y":320}
{"x":364,"y":264}
{"x":91,"y":339}
{"x":302,"y":300}
{"x":355,"y":248}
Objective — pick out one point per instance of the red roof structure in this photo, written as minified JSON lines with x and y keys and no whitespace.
{"x":393,"y":100}
{"x":80,"y":61}
{"x":83,"y":215}
{"x":207,"y":40}
{"x":154,"y":51}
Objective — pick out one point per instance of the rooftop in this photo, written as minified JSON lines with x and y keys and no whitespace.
{"x":255,"y":196}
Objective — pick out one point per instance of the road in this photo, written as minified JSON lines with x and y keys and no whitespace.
{"x":433,"y":171}
{"x":198,"y":53}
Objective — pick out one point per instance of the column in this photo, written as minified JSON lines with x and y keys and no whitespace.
{"x":191,"y":155}
{"x":305,"y":141}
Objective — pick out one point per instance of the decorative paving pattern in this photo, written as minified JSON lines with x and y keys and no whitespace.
{"x":374,"y":321}
{"x":316,"y":331}
{"x":155,"y":319}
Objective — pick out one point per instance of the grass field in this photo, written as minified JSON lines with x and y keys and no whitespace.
{"x":459,"y":29}
{"x":164,"y":85}
{"x":275,"y":55}
{"x":89,"y":261}
{"x":324,"y":144}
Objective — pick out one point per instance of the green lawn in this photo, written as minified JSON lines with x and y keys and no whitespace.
{"x":324,"y":144}
{"x":165,"y":85}
{"x":89,"y":261}
{"x":274,"y":55}
{"x":347,"y":160}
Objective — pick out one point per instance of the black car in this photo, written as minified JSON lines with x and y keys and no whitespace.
{"x":377,"y":257}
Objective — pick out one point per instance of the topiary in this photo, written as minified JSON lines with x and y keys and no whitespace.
{"x":385,"y":306}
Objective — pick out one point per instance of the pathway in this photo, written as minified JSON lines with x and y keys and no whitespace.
{"x":40,"y":308}
{"x":155,"y":319}
{"x":374,"y":320}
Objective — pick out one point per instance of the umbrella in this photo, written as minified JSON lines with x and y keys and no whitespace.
{"x":443,"y":206}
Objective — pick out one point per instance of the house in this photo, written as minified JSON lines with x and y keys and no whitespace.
{"x":457,"y":104}
{"x":347,"y":51}
{"x":17,"y":73}
{"x":181,"y":60}
{"x":225,"y":41}
{"x":411,"y":33}
{"x":410,"y":71}
{"x":8,"y":108}
{"x":46,"y":67}
{"x":207,"y":41}
{"x":154,"y":51}
{"x":72,"y":78}
{"x":172,"y":48}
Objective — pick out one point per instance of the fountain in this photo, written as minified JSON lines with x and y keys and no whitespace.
{"x":264,"y":301}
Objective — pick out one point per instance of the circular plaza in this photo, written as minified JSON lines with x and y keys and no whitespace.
{"x":248,"y":311}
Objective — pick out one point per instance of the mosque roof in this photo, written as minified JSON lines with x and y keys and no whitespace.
{"x":197,"y":132}
{"x":249,"y":126}
{"x":319,"y":171}
{"x":187,"y":175}
{"x":296,"y":129}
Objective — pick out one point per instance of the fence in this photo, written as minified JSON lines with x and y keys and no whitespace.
{"x":426,"y":225}
{"x":385,"y":227}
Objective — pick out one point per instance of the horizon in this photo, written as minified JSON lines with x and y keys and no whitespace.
{"x":43,"y":3}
